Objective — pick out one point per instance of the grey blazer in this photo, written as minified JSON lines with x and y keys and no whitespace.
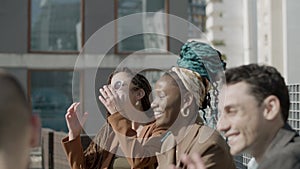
{"x":283,"y":152}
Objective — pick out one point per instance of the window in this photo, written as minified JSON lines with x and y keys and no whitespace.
{"x":55,"y":25}
{"x":153,"y":22}
{"x":197,"y":16}
{"x":51,"y":95}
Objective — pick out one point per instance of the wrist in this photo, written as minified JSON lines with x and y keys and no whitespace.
{"x":116,"y":109}
{"x":113,"y":110}
{"x":73,"y":135}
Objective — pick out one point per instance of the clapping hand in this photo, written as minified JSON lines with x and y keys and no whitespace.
{"x":111,"y":100}
{"x":191,"y":162}
{"x":74,"y":121}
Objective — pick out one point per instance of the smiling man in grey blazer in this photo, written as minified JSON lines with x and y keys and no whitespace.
{"x":254,"y":107}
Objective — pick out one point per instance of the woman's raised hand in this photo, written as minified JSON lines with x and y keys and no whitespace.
{"x":110,"y":99}
{"x":74,"y":120}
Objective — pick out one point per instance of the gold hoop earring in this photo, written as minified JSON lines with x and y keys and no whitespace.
{"x":185,"y":113}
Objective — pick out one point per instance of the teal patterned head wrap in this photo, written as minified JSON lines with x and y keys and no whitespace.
{"x":201,"y":58}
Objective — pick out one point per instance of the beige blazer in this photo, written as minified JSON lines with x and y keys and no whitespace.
{"x":200,"y":139}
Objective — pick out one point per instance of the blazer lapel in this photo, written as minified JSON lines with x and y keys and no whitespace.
{"x":168,"y":151}
{"x":282,"y":138}
{"x":188,"y":141}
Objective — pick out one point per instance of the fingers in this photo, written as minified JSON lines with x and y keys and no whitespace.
{"x":103,"y":101}
{"x":106,"y":92}
{"x":192,"y":162}
{"x":198,"y":161}
{"x":84,"y":118}
{"x":103,"y":98}
{"x":172,"y":166}
{"x":103,"y":93}
{"x":185,"y":159}
{"x":76,"y":107}
{"x":108,"y":96}
{"x":113,"y":93}
{"x":71,"y":110}
{"x":75,"y":120}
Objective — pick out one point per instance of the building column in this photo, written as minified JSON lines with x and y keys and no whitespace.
{"x":250,"y":31}
{"x":291,"y":40}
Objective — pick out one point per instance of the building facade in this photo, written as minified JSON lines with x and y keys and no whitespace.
{"x":47,"y":45}
{"x":256,"y":32}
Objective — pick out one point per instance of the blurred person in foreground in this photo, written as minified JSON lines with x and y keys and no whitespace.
{"x":254,"y":106}
{"x":19,"y":129}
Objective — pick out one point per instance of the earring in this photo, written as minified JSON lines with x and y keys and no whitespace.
{"x":185,"y":113}
{"x":137,"y":103}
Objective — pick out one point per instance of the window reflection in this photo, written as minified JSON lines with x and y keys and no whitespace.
{"x":51,"y":95}
{"x":150,"y":22}
{"x":55,"y":25}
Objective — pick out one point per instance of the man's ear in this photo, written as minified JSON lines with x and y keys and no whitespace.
{"x":140,"y":94}
{"x":271,"y":107}
{"x":36,"y":131}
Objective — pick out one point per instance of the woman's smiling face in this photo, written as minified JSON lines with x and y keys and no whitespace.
{"x":167,"y":101}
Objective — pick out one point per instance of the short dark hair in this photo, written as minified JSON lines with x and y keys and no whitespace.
{"x":263,"y":81}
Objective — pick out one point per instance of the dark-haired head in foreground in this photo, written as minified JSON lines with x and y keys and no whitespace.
{"x":18,"y":128}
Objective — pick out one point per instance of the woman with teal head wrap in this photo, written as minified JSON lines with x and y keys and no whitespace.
{"x":180,"y":93}
{"x":201,"y":58}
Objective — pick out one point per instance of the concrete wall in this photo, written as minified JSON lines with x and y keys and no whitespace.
{"x":97,"y":14}
{"x":277,"y":35}
{"x":225,"y":23}
{"x":178,"y":8}
{"x":13,"y":29}
{"x":291,"y":40}
{"x":270,"y":33}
